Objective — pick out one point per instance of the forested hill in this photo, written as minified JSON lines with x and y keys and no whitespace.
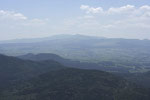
{"x":76,"y":84}
{"x":13,"y":69}
{"x":123,"y":69}
{"x":49,"y":80}
{"x":109,"y":66}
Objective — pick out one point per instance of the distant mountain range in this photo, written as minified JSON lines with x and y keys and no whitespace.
{"x":49,"y":80}
{"x":34,"y":40}
{"x":128,"y":54}
{"x":84,"y":48}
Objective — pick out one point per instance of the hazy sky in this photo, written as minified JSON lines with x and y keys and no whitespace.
{"x":42,"y":18}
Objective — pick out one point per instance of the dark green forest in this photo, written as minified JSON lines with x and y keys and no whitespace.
{"x":49,"y":80}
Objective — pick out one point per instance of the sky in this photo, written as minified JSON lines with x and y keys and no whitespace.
{"x":105,"y":18}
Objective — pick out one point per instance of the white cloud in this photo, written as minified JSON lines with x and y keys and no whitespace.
{"x":11,"y":15}
{"x":89,"y":9}
{"x":16,"y":25}
{"x":84,"y":7}
{"x":124,"y":9}
{"x":122,"y":22}
{"x":145,"y":7}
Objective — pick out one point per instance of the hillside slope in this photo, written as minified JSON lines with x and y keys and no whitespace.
{"x":76,"y":84}
{"x":13,"y":69}
{"x":102,"y":65}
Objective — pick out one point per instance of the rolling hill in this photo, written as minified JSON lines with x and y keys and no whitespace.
{"x":108,"y":66}
{"x":76,"y":84}
{"x":13,"y":69}
{"x":127,"y":53}
{"x":49,"y":80}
